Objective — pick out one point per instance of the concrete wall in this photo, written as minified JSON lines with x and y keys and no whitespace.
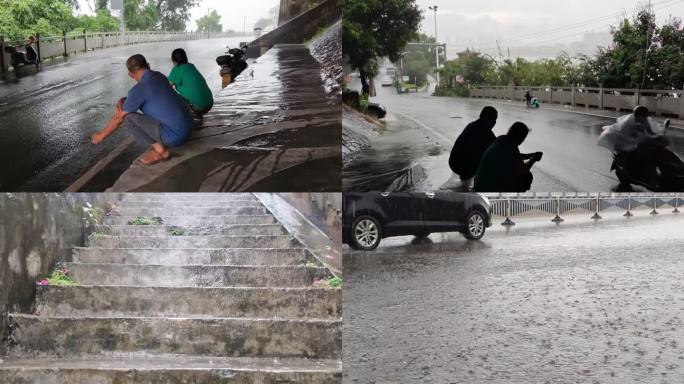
{"x":323,"y":209}
{"x":36,"y":231}
{"x":298,"y":29}
{"x":660,"y":102}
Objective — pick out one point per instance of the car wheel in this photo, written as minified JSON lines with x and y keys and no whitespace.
{"x":475,"y":225}
{"x":365,"y":233}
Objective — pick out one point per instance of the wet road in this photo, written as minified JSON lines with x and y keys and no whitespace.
{"x":578,"y":303}
{"x":572,"y":159}
{"x":46,"y":119}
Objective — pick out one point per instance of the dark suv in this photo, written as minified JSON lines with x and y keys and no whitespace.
{"x":370,"y":217}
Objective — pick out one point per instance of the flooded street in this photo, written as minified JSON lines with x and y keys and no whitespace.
{"x":572,"y":159}
{"x":582,"y":302}
{"x":46,"y":119}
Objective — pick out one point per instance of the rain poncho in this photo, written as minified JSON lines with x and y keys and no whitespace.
{"x":627,"y":134}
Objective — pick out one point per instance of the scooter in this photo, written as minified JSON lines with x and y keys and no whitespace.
{"x":664,"y":173}
{"x":232,"y":65}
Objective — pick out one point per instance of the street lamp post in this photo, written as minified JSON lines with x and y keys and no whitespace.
{"x":434,"y":8}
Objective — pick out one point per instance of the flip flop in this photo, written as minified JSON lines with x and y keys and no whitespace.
{"x":147,"y":159}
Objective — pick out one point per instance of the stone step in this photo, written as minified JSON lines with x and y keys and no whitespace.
{"x":193,"y":211}
{"x":113,"y":301}
{"x":194,"y":230}
{"x":194,"y":275}
{"x":131,"y":369}
{"x":213,"y":241}
{"x":189,"y":197}
{"x":195,"y":204}
{"x":206,"y":256}
{"x":34,"y":336}
{"x":198,"y":220}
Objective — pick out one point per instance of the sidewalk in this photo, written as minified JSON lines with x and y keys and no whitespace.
{"x":274,"y":119}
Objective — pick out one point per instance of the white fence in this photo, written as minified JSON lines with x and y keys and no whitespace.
{"x":662,"y":102}
{"x":509,"y":206}
{"x":65,"y":45}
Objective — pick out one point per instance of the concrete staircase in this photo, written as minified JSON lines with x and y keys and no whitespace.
{"x":217,"y":293}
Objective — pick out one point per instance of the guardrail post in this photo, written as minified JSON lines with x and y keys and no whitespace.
{"x":508,"y":222}
{"x":40,"y":57}
{"x":65,"y":44}
{"x":655,"y":206}
{"x":85,"y":41}
{"x":557,"y":219}
{"x":574,"y":101}
{"x":676,"y":208}
{"x":681,"y":105}
{"x":597,"y":206}
{"x":629,"y":207}
{"x":3,"y":67}
{"x":600,"y":103}
{"x":636,"y":96}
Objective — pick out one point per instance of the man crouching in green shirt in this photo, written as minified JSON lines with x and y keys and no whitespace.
{"x":190,"y":84}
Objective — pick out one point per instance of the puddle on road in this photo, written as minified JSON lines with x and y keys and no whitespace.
{"x":392,"y":162}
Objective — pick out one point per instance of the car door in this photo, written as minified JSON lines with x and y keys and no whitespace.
{"x":402,"y":211}
{"x":443,"y":211}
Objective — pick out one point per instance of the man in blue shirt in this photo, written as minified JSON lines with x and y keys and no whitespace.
{"x":166,"y":120}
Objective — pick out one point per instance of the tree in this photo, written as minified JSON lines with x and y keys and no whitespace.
{"x":417,"y":65}
{"x":377,"y":28}
{"x":210,"y":23}
{"x":174,"y":14}
{"x":22,"y":18}
{"x":103,"y":21}
{"x":268,"y":21}
{"x":140,"y":15}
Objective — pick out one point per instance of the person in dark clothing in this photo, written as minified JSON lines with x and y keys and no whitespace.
{"x":528,"y":98}
{"x":503,"y":167}
{"x":31,"y":54}
{"x":472,"y":144}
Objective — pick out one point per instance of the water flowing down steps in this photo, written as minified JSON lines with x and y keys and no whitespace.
{"x":216,"y":293}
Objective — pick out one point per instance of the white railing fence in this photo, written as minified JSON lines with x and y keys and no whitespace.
{"x":509,"y":206}
{"x":661,"y":102}
{"x":58,"y":46}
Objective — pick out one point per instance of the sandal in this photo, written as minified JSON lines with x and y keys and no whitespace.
{"x":152,"y":157}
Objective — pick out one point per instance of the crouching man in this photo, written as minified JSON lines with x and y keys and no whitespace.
{"x":166,"y":120}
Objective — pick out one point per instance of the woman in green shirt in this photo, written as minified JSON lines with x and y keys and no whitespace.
{"x":190,"y":83}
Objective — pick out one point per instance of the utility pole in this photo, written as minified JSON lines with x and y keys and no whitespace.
{"x":119,"y":5}
{"x":244,"y":27}
{"x":434,"y":8}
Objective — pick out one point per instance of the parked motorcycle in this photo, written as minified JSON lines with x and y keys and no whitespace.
{"x":232,"y":64}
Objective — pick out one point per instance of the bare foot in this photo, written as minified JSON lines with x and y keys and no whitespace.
{"x":153,"y":157}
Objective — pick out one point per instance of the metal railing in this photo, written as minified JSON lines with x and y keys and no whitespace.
{"x":662,"y":102}
{"x":509,"y":206}
{"x":59,"y":46}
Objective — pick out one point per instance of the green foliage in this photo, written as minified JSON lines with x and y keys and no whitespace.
{"x":417,"y":65}
{"x":210,"y":23}
{"x":60,"y":276}
{"x":331,"y":282}
{"x":174,"y":14}
{"x":377,"y":28}
{"x":103,"y":21}
{"x":141,"y":220}
{"x":141,"y":15}
{"x":20,"y":19}
{"x":176,"y":231}
{"x":643,"y":55}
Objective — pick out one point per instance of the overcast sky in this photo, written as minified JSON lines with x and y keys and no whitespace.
{"x":233,"y":12}
{"x":547,"y":22}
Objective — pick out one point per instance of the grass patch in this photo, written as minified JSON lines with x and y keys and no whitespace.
{"x":60,"y":276}
{"x":176,"y":231}
{"x":142,"y":220}
{"x":330,"y":282}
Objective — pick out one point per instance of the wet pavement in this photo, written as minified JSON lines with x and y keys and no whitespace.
{"x":274,"y":129}
{"x":572,"y":159}
{"x":46,"y":119}
{"x":583,"y":302}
